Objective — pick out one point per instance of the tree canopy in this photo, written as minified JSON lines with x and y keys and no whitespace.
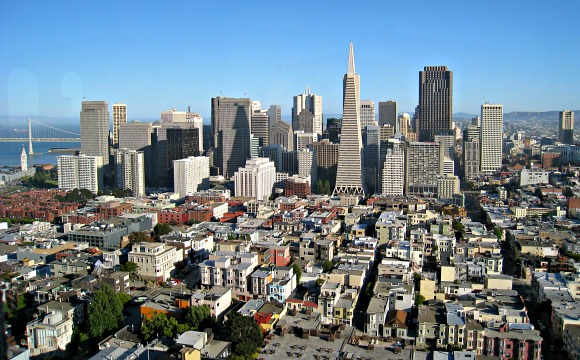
{"x":105,"y":312}
{"x":297,"y":271}
{"x":161,"y":229}
{"x":244,"y":334}
{"x":197,"y":318}
{"x":137,"y":237}
{"x":327,"y":266}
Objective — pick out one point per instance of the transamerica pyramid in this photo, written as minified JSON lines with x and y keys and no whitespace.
{"x":349,"y":174}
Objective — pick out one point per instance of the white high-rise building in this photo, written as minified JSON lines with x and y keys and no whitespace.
{"x":307,"y":107}
{"x":491,"y":137}
{"x":190,"y":175}
{"x":303,"y":139}
{"x":274,"y":114}
{"x":307,"y":165}
{"x":367,"y":114}
{"x":119,"y":117}
{"x":256,"y":179}
{"x":447,"y":186}
{"x":393,"y":179}
{"x":80,"y":172}
{"x":95,"y":124}
{"x":130,"y":169}
{"x":447,"y":166}
{"x":349,"y":179}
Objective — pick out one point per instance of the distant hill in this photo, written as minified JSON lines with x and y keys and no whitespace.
{"x":522,"y":115}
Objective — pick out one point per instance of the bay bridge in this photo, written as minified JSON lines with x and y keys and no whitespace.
{"x":34,"y":131}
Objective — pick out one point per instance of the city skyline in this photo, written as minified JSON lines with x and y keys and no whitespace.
{"x":179,"y":62}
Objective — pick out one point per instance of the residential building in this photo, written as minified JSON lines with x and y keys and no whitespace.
{"x":190,"y":175}
{"x":154,"y":260}
{"x":80,"y":172}
{"x":49,"y":334}
{"x":256,"y":179}
{"x":349,"y":171}
{"x":491,"y":131}
{"x":421,"y":167}
{"x":393,"y":174}
{"x":435,"y":102}
{"x":130,"y":171}
{"x":534,"y":176}
{"x":95,"y":127}
{"x":447,"y":186}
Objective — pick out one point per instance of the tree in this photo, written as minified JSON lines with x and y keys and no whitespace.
{"x":125,"y":298}
{"x":162,"y":325}
{"x":567,"y":192}
{"x":131,"y":268}
{"x":105,"y":312}
{"x":297,"y":271}
{"x":498,"y":233}
{"x":197,"y":316}
{"x":161,"y":229}
{"x":419,"y":299}
{"x":137,"y":237}
{"x":327,"y":266}
{"x":243,"y":332}
{"x":417,"y":281}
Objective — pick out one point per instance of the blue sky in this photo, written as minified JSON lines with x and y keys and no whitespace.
{"x":161,"y":54}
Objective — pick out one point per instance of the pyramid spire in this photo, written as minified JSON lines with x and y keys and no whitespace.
{"x":351,"y":60}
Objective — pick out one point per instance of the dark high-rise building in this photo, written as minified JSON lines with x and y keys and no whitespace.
{"x":566,"y":130}
{"x":334,"y":126}
{"x":435,"y":101}
{"x":326,"y":160}
{"x":388,"y":113}
{"x":231,"y":129}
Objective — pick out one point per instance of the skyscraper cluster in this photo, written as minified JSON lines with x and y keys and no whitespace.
{"x":361,"y":154}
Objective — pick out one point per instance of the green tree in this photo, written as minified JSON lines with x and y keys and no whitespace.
{"x":297,"y":271}
{"x":497,"y":231}
{"x":161,"y":229}
{"x":327,"y":189}
{"x":244,"y":334}
{"x":131,"y":268}
{"x":327,"y":266}
{"x":125,"y":298}
{"x":137,"y":237}
{"x":162,"y":325}
{"x":105,"y":312}
{"x":417,"y":281}
{"x":419,"y":299}
{"x":567,"y":192}
{"x":197,"y":316}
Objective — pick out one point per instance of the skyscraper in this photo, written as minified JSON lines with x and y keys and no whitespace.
{"x":119,"y":117}
{"x":491,"y":137}
{"x":182,"y":142}
{"x":435,"y":101}
{"x":566,"y":130}
{"x":95,"y":129}
{"x":130,"y":170}
{"x":309,"y":106}
{"x":137,"y":135}
{"x":327,"y":160}
{"x":349,"y":171}
{"x":367,"y":114}
{"x":281,"y":133}
{"x":274,"y":114}
{"x":307,"y":166}
{"x":261,"y":126}
{"x":388,"y":113}
{"x":231,"y":127}
{"x":371,"y":154}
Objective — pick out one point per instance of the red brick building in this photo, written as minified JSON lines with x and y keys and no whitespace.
{"x":297,"y":186}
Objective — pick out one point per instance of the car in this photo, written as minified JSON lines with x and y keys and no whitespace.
{"x":171,"y":282}
{"x":140,"y":299}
